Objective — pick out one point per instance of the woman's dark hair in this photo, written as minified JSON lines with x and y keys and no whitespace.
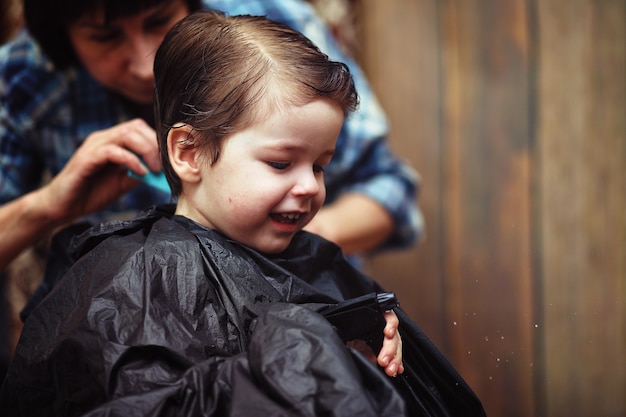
{"x":48,"y":21}
{"x":221,"y":74}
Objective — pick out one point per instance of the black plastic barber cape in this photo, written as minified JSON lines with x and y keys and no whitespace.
{"x":159,"y":316}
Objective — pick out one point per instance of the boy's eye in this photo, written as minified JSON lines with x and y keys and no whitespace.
{"x":278,"y":165}
{"x":318,"y":168}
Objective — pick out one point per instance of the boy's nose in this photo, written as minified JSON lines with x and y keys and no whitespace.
{"x":308,"y":185}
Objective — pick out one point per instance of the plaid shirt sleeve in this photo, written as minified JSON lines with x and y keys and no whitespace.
{"x":21,"y":99}
{"x":363,"y":162}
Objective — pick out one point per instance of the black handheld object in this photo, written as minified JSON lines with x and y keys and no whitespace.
{"x":361,"y":317}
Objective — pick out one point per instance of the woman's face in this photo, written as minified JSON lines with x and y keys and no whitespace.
{"x":120,"y":54}
{"x":268,"y":181}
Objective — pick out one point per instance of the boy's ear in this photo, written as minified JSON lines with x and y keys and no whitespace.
{"x":184,"y":153}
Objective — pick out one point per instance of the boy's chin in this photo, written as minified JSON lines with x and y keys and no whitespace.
{"x":273,"y":248}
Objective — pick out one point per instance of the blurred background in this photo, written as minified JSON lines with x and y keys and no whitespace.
{"x":514,"y":114}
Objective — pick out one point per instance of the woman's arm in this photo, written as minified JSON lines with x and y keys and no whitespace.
{"x":95,"y":176}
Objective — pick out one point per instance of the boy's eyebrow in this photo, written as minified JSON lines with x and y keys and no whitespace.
{"x":290,"y":147}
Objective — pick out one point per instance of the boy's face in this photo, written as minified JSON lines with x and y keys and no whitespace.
{"x":120,"y":54}
{"x":268,"y":181}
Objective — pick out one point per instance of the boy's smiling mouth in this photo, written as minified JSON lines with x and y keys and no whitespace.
{"x":286,"y":218}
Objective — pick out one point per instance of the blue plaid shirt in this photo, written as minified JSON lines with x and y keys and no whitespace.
{"x":46,"y":114}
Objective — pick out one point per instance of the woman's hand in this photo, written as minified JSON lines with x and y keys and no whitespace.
{"x":96,"y":175}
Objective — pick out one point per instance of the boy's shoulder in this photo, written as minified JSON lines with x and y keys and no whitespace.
{"x":153,"y":224}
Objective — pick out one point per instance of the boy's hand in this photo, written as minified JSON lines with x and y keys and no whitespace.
{"x":390,"y":356}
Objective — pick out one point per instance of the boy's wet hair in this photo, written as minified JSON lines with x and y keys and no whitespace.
{"x":221,"y":74}
{"x":48,"y":21}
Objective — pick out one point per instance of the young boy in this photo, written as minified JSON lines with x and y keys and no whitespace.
{"x":199,"y":312}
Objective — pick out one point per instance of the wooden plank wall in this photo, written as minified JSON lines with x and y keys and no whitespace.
{"x":582,"y":156}
{"x":514,"y":114}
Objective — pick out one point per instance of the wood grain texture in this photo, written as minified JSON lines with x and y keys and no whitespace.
{"x":486,"y":200}
{"x":514,"y":113}
{"x":400,"y":47}
{"x":582,"y":92}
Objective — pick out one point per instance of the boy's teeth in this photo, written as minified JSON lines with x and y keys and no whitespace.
{"x":291,"y":216}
